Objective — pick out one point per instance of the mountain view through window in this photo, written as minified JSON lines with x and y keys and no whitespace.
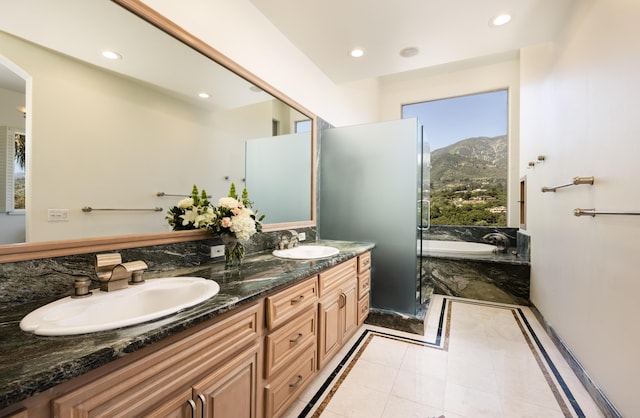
{"x":469,"y":157}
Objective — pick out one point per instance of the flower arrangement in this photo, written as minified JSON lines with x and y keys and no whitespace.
{"x":235,"y":222}
{"x":194,"y":212}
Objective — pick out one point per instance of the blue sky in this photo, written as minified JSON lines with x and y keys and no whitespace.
{"x":447,"y":121}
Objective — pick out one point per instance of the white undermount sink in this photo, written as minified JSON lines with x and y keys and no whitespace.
{"x":307,"y":252}
{"x":120,"y":308}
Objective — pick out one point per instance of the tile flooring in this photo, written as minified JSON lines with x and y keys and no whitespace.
{"x":476,"y":359}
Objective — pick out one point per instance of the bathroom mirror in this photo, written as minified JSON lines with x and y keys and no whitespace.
{"x":115,"y":134}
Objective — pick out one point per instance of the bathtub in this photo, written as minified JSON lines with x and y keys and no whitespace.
{"x":455,"y":247}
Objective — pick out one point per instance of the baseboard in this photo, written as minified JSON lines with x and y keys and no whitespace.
{"x":606,"y":406}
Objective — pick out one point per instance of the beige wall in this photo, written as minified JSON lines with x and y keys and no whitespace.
{"x":580,"y":107}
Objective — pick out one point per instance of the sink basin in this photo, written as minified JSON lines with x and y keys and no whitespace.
{"x":120,"y":308}
{"x":307,"y":252}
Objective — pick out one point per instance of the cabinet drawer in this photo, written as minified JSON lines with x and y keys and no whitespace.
{"x":284,"y":344}
{"x":290,"y":302}
{"x":364,"y":282}
{"x":364,"y":262}
{"x":333,"y":277}
{"x":285,"y":388}
{"x":363,"y":309}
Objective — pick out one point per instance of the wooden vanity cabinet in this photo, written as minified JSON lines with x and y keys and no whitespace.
{"x":338,"y":318}
{"x":364,"y":286}
{"x":290,"y":345}
{"x":214,"y":371}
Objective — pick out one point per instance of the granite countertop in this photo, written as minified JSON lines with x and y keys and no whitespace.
{"x":502,"y":258}
{"x":30,"y":364}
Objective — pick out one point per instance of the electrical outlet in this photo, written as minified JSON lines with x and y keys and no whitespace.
{"x":217,"y":251}
{"x":302,"y":236}
{"x":58,"y":215}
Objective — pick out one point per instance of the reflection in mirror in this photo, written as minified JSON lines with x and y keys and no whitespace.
{"x":112,"y":134}
{"x":12,"y":155}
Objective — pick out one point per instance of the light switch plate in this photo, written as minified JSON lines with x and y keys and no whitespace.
{"x":58,"y":215}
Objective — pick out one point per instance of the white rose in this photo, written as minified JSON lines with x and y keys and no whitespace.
{"x":185,"y":203}
{"x":228,"y":202}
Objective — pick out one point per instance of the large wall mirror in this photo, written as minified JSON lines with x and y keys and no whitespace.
{"x":114,"y":134}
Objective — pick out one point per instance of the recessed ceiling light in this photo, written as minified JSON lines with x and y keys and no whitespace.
{"x":499,"y":20}
{"x":112,"y":55}
{"x":411,"y":51}
{"x":203,"y":95}
{"x":356,"y":52}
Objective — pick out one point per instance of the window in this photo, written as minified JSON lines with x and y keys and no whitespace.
{"x":13,"y":164}
{"x":469,"y":156}
{"x":303,"y":126}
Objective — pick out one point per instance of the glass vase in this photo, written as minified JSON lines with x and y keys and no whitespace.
{"x":233,"y":251}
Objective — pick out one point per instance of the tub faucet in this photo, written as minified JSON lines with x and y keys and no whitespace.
{"x":500,"y":240}
{"x":288,"y":239}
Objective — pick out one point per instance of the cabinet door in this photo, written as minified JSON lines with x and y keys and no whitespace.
{"x":231,"y":390}
{"x":330,"y":328}
{"x":350,"y":315}
{"x":179,"y":405}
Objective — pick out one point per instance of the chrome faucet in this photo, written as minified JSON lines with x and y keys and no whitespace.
{"x":288,"y":239}
{"x":500,"y":240}
{"x":113,"y":274}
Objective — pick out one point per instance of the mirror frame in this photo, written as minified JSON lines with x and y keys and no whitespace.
{"x":30,"y":251}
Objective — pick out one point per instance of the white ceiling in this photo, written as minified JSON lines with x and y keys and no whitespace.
{"x":445,"y":31}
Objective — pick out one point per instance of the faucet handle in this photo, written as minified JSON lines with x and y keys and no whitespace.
{"x":105,"y":263}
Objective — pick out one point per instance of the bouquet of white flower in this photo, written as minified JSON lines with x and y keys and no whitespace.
{"x":193,"y":212}
{"x":234,"y":221}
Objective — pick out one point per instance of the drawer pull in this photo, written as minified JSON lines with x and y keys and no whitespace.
{"x":297,"y":382}
{"x":192,"y":405}
{"x":204,"y":404}
{"x":365,"y":285}
{"x":364,"y":309}
{"x":342,"y":301}
{"x":297,"y":300}
{"x":297,"y":339}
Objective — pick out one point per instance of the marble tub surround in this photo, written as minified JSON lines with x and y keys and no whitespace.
{"x":499,"y":277}
{"x":489,"y":280}
{"x":52,"y":278}
{"x":471,"y":234}
{"x":30,"y":364}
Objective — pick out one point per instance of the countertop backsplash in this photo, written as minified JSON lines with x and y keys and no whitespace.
{"x":52,"y":278}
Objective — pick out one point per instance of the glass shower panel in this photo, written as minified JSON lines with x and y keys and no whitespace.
{"x":368,"y":182}
{"x":424,"y":216}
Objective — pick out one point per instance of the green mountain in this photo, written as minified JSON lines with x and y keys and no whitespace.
{"x":469,"y":182}
{"x":469,"y":160}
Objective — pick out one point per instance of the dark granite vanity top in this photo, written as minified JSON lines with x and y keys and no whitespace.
{"x":30,"y":364}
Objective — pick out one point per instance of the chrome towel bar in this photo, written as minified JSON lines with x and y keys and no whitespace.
{"x":161,"y":194}
{"x":90,"y":209}
{"x":593,"y":212}
{"x":575,"y":182}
